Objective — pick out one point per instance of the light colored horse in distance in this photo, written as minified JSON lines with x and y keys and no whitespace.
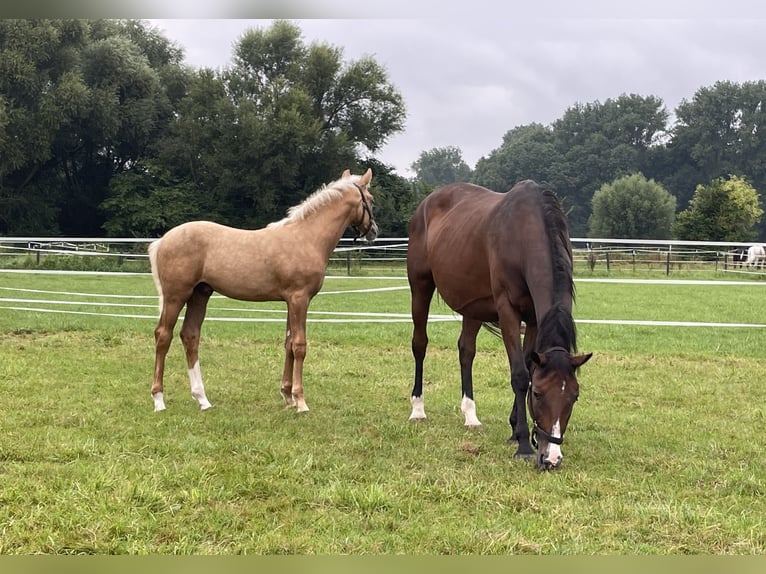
{"x":284,"y":261}
{"x":756,"y":256}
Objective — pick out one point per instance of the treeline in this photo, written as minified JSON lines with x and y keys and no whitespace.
{"x":105,"y":130}
{"x":719,"y":133}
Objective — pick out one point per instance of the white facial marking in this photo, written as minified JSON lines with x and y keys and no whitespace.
{"x":469,"y":410}
{"x":554,"y":455}
{"x":563,"y":385}
{"x":197,"y":389}
{"x":159,"y":402}
{"x":418,"y":408}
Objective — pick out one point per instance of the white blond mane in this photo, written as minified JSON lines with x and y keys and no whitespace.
{"x":321,"y":197}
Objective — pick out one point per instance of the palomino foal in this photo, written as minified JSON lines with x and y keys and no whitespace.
{"x":285,"y":261}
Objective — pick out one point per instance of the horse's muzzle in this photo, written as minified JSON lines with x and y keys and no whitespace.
{"x":372,"y":232}
{"x":546,"y":462}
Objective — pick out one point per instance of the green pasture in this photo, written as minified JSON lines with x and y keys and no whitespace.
{"x":663,"y":455}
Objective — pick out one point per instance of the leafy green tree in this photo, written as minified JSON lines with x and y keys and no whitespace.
{"x":284,"y":119}
{"x":82,"y":100}
{"x":527,"y":152}
{"x":41,"y":96}
{"x":395,"y":198}
{"x":721,"y":130}
{"x":148,"y":200}
{"x":601,"y":142}
{"x":591,"y":144}
{"x":632,"y":207}
{"x":724,"y":210}
{"x":440,"y":166}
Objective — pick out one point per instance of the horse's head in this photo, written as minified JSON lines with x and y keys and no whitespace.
{"x":552,"y":395}
{"x":364,"y":222}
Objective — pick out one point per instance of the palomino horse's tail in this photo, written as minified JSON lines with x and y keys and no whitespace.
{"x":155,"y":275}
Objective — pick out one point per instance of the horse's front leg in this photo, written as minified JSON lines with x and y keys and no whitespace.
{"x":510,"y":325}
{"x":286,"y":387}
{"x":466,"y":346}
{"x":295,"y":350}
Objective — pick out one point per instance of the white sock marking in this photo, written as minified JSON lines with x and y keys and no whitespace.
{"x":197,"y":388}
{"x":159,"y":402}
{"x":418,"y":408}
{"x":469,"y":410}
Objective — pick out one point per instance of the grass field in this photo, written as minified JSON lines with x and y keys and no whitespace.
{"x":663,"y":453}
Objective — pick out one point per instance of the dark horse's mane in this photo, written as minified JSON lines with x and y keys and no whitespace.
{"x":557,"y":327}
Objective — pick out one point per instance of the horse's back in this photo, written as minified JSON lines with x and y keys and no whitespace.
{"x":447,"y":245}
{"x":474,"y":243}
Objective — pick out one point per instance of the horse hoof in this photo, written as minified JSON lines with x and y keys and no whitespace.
{"x":205,"y":407}
{"x":414,"y":419}
{"x":474,"y":426}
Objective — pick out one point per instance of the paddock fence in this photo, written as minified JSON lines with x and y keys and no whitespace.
{"x":387,"y":255}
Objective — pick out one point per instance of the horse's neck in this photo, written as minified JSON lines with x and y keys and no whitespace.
{"x":325,"y":227}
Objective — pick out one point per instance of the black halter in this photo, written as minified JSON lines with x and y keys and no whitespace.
{"x":365,"y":209}
{"x":536,"y":430}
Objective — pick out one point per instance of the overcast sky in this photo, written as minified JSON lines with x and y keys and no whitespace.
{"x":467,"y":79}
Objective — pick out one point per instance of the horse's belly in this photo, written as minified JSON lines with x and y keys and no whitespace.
{"x":481,"y":310}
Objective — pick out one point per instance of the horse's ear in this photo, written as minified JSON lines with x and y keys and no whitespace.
{"x":537,"y":359}
{"x":579,"y":360}
{"x":366,"y":177}
{"x":346,"y":173}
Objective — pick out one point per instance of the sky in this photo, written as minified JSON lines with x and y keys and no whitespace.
{"x":468,"y":76}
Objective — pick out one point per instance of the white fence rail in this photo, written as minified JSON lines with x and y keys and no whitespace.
{"x":601,"y":253}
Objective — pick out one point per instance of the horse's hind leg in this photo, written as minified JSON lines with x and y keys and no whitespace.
{"x":163,"y":336}
{"x":190,"y":335}
{"x":466,"y":346}
{"x":422,"y":290}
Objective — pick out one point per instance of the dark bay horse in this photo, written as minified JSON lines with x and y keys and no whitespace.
{"x":285,"y":261}
{"x":499,"y":259}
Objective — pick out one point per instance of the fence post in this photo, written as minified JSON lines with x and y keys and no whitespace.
{"x":348,"y":262}
{"x":667,"y":263}
{"x":607,"y":262}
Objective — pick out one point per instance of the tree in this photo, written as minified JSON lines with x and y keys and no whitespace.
{"x":602,"y":142}
{"x":721,"y":130}
{"x":527,"y":152}
{"x":440,"y":166}
{"x":284,"y":119}
{"x":725,"y":210}
{"x":395,"y":198}
{"x":591,"y":144}
{"x":81,"y":100}
{"x":632,"y":207}
{"x":147,"y":200}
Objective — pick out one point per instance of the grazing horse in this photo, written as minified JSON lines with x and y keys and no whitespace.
{"x":285,"y":261}
{"x":756,"y":256}
{"x":499,"y":259}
